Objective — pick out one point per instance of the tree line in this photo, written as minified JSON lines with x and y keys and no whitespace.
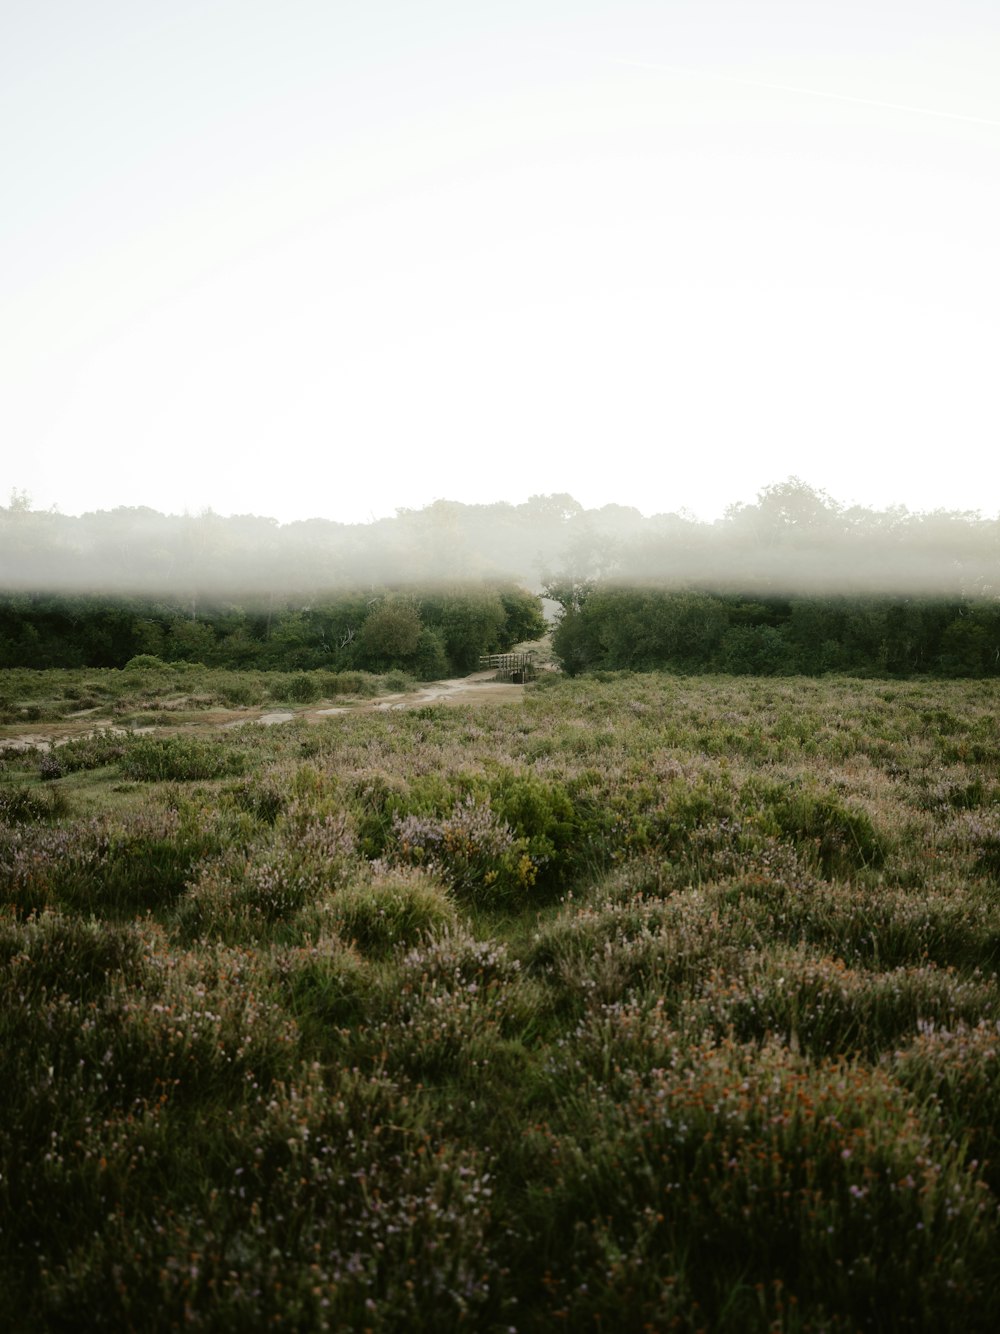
{"x":612,"y":627}
{"x":430,"y":633}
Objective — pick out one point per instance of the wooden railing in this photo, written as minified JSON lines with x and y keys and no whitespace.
{"x":516,"y":667}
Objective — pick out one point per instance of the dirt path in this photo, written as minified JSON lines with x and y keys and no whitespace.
{"x":464,"y":689}
{"x":480,"y":685}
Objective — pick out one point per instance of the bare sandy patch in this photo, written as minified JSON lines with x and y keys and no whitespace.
{"x":462,"y":689}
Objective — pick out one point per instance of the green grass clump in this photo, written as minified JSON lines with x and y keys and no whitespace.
{"x":92,"y":752}
{"x":394,"y":909}
{"x":25,"y":805}
{"x":178,"y":759}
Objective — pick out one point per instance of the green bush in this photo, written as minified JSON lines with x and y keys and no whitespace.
{"x":472,"y":849}
{"x":541,"y":812}
{"x":397,"y":908}
{"x":430,"y":660}
{"x":301,"y":688}
{"x":25,"y":805}
{"x":328,"y":985}
{"x":179,"y":759}
{"x":755,"y":650}
{"x":396,"y":682}
{"x":92,"y":752}
{"x":807,"y":1196}
{"x":842,"y":838}
{"x":146,"y":662}
{"x":248,"y":890}
{"x":59,"y":954}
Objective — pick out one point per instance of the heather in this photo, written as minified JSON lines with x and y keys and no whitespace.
{"x":646,"y":1001}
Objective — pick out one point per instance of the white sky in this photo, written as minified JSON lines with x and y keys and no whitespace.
{"x":312,"y":257}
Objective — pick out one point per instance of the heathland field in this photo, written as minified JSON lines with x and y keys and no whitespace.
{"x":628,"y":1001}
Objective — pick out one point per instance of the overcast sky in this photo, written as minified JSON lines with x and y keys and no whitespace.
{"x":312,"y":257}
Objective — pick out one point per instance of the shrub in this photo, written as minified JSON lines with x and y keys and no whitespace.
{"x":473,"y":850}
{"x":245,"y":892}
{"x":302,"y":688}
{"x":264,"y":796}
{"x":239,"y":690}
{"x":397,"y":681}
{"x":749,"y":1189}
{"x":179,"y":759}
{"x":397,"y":907}
{"x":92,"y":752}
{"x":540,"y":812}
{"x":842,"y":838}
{"x":25,"y":805}
{"x":755,"y":650}
{"x":430,"y":661}
{"x":981,"y":832}
{"x":58,"y":954}
{"x":955,"y":1071}
{"x":146,"y":662}
{"x":441,"y":1012}
{"x":390,"y":633}
{"x":349,"y":683}
{"x":823,"y":1007}
{"x":328,"y":985}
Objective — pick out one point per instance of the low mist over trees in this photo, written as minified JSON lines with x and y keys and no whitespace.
{"x":793,"y":539}
{"x":795,"y":582}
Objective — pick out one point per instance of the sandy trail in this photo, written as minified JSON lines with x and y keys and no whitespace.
{"x":458,"y":689}
{"x":463,"y":689}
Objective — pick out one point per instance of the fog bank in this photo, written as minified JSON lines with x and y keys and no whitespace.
{"x":793,"y":539}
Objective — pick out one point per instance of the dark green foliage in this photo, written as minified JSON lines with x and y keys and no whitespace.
{"x":754,"y":650}
{"x":92,"y":752}
{"x":395,"y":910}
{"x":302,"y":688}
{"x":541,"y":812}
{"x":144,"y":662}
{"x":430,"y":658}
{"x":389,"y":637}
{"x":432,"y":634}
{"x":468,"y":623}
{"x":615,"y":627}
{"x":524,"y":621}
{"x":80,"y":957}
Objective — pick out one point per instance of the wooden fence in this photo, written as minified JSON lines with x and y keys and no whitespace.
{"x":516,"y":667}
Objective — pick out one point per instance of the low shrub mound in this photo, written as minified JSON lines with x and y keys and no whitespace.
{"x":395,"y":908}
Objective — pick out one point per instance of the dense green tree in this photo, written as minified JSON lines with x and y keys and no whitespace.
{"x":755,"y":650}
{"x":572,"y":642}
{"x":469,"y":622}
{"x":430,"y":662}
{"x":970,"y":644}
{"x":389,"y":637}
{"x":190,"y":641}
{"x":523,"y":619}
